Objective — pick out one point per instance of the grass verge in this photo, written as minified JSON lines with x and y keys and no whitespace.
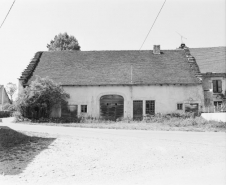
{"x":197,"y":124}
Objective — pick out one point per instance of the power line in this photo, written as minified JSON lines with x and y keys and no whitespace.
{"x":152,"y":25}
{"x":7,"y":14}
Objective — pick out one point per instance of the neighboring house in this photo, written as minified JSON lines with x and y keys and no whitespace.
{"x":4,"y":98}
{"x":115,"y":84}
{"x":212,"y":65}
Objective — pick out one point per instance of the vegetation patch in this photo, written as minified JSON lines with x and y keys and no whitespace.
{"x":173,"y":122}
{"x":5,"y":114}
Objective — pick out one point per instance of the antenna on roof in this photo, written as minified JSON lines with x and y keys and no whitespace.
{"x":181,"y":37}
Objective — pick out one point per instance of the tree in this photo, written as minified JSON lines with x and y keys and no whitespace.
{"x":11,"y":89}
{"x":63,"y":42}
{"x":38,"y":99}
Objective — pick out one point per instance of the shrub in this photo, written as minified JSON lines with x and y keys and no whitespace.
{"x":5,"y":114}
{"x":37,"y":100}
{"x":18,"y":117}
{"x":57,"y":120}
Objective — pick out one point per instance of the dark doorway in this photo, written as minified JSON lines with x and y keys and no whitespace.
{"x":137,"y":110}
{"x":111,"y":107}
{"x":192,"y":108}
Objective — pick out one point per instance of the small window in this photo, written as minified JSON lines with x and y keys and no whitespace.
{"x":68,"y":110}
{"x":217,"y":86}
{"x":217,"y":103}
{"x":83,"y":108}
{"x":150,"y":107}
{"x":180,"y":106}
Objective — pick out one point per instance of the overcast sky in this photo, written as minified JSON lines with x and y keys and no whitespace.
{"x":105,"y":25}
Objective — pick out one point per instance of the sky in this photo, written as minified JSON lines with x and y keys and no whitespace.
{"x":105,"y":25}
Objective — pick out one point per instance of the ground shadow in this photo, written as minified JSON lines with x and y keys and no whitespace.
{"x":18,"y":149}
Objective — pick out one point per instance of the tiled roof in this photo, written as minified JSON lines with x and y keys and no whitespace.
{"x":114,"y":67}
{"x":211,"y":59}
{"x":6,"y":97}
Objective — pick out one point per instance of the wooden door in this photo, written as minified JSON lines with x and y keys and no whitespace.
{"x":111,"y":107}
{"x":137,"y":110}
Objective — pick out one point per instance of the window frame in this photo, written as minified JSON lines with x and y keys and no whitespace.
{"x":217,"y":103}
{"x":180,"y":106}
{"x":84,"y":107}
{"x":217,"y":86}
{"x":152,"y":107}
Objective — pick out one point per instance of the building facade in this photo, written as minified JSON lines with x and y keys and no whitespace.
{"x":120,"y":84}
{"x":212,"y":64}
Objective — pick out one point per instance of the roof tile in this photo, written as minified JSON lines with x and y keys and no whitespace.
{"x":114,"y":67}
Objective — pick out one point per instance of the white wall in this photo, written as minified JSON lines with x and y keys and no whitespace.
{"x":214,"y":116}
{"x":166,"y":97}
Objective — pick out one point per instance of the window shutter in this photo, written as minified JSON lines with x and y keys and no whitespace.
{"x":214,"y":86}
{"x":219,"y":86}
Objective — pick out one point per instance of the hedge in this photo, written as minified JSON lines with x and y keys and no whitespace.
{"x":5,"y":114}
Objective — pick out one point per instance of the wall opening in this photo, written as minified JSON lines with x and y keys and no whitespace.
{"x":111,"y":107}
{"x":138,"y":110}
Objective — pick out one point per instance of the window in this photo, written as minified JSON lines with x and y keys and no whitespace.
{"x":191,"y":108}
{"x":217,"y":103}
{"x":180,"y":106}
{"x":150,"y":107}
{"x":83,"y":108}
{"x":217,"y":86}
{"x":68,"y":110}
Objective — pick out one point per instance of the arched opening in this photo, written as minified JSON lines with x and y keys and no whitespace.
{"x":111,"y":107}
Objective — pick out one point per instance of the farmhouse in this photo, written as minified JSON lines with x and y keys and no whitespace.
{"x":121,"y":84}
{"x":212,"y":65}
{"x":4,"y":98}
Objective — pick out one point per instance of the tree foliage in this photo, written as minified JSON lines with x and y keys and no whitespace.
{"x":11,"y":89}
{"x":63,"y":42}
{"x":40,"y":97}
{"x":9,"y":107}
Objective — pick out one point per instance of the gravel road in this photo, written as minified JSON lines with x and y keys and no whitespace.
{"x":101,"y":156}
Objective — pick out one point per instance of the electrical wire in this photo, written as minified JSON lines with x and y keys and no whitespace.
{"x":152,"y":25}
{"x":7,"y":13}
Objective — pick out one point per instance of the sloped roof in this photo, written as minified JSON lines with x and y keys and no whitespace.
{"x":113,"y":67}
{"x":1,"y":86}
{"x":6,"y":95}
{"x":212,"y":59}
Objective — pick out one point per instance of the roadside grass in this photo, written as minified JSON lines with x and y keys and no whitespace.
{"x":161,"y":123}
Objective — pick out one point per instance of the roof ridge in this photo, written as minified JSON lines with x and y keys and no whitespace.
{"x":110,"y":50}
{"x":208,"y":47}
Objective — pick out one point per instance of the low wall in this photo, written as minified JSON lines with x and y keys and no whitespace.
{"x":215,"y":116}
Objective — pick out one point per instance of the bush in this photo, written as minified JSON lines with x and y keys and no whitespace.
{"x":39,"y":98}
{"x":18,"y":117}
{"x":5,"y":114}
{"x":57,"y":120}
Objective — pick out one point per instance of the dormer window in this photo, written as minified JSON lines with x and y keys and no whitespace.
{"x":217,"y":86}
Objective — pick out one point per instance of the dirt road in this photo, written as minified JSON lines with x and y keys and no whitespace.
{"x":99,"y":156}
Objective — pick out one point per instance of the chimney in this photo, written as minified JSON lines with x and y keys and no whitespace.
{"x":156,"y":49}
{"x":182,"y":46}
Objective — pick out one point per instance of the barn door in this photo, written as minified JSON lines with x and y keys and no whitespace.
{"x":111,"y":107}
{"x":138,"y":110}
